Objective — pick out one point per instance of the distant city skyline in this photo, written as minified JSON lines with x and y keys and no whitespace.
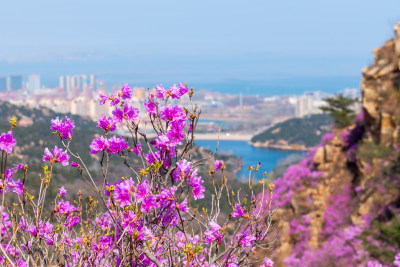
{"x":266,"y":46}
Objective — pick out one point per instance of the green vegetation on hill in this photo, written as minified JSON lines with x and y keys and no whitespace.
{"x":306,"y":131}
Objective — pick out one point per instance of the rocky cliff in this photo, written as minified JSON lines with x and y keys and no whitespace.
{"x":339,"y":205}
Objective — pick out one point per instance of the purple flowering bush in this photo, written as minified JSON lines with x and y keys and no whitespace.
{"x":147,"y":219}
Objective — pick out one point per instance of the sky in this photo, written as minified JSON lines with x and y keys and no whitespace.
{"x":259,"y":46}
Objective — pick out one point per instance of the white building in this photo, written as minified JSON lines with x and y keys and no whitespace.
{"x":80,"y":106}
{"x":308,"y":103}
{"x":34,"y":83}
{"x":61,"y":106}
{"x":77,"y":82}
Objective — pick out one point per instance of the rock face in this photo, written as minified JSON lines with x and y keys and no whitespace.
{"x":380,"y":89}
{"x":346,"y":171}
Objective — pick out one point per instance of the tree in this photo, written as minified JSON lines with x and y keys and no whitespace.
{"x":340,"y":109}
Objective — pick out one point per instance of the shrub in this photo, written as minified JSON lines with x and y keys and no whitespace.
{"x":147,"y":219}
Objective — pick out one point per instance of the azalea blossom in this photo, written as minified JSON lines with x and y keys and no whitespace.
{"x":218,"y":165}
{"x":64,"y":128}
{"x":239,"y":211}
{"x":98,"y":144}
{"x":7,"y":142}
{"x":107,"y":124}
{"x":62,"y":191}
{"x":160,"y":91}
{"x":126,"y":92}
{"x":131,"y":113}
{"x":58,"y":155}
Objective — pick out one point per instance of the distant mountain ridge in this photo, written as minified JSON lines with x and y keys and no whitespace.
{"x":296,"y":133}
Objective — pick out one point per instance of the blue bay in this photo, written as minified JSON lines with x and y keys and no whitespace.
{"x":250,"y":155}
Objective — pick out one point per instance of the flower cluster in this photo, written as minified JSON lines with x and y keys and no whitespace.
{"x":7,"y":142}
{"x":150,"y":218}
{"x":64,"y":128}
{"x":58,"y":155}
{"x":112,"y":145}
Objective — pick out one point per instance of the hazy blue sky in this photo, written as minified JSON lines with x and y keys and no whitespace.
{"x":203,"y":41}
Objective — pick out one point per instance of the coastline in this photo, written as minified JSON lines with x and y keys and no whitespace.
{"x":208,"y":136}
{"x":243,"y":137}
{"x":223,"y":136}
{"x":294,"y":147}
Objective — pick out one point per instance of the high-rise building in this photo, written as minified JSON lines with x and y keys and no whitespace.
{"x":68,"y":85}
{"x":76,"y":84}
{"x":16,"y":82}
{"x":33,"y":83}
{"x":3,"y":83}
{"x":62,"y":82}
{"x":92,"y":81}
{"x":76,"y":81}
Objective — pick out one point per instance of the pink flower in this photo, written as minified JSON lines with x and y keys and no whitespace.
{"x":7,"y":142}
{"x":65,"y":128}
{"x":114,"y":99}
{"x":18,"y":187}
{"x":18,"y":166}
{"x":22,"y":223}
{"x":118,"y":115}
{"x":162,"y":142}
{"x":74,"y":164}
{"x":150,"y":106}
{"x":128,"y":221}
{"x":397,"y":260}
{"x":172,"y":113}
{"x":218,"y":165}
{"x":212,"y":233}
{"x":247,"y":240}
{"x":214,"y":226}
{"x":143,"y":190}
{"x":268,"y":263}
{"x":183,"y":168}
{"x":194,"y":180}
{"x":175,"y":133}
{"x":148,"y":203}
{"x":32,"y":230}
{"x":22,"y":263}
{"x":126,"y":92}
{"x":64,"y":207}
{"x":62,"y":191}
{"x":103,"y":98}
{"x":123,"y":192}
{"x":160,"y":91}
{"x":71,"y":222}
{"x":131,"y":113}
{"x":108,"y":125}
{"x":198,"y":192}
{"x":374,"y":263}
{"x":59,"y":155}
{"x":239,"y":211}
{"x":183,"y":206}
{"x":116,"y":144}
{"x":177,"y":92}
{"x":98,"y":144}
{"x":8,"y":181}
{"x":138,"y":148}
{"x":166,"y":196}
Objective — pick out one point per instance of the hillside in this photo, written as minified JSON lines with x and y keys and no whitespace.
{"x":341,"y":205}
{"x":297,"y":133}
